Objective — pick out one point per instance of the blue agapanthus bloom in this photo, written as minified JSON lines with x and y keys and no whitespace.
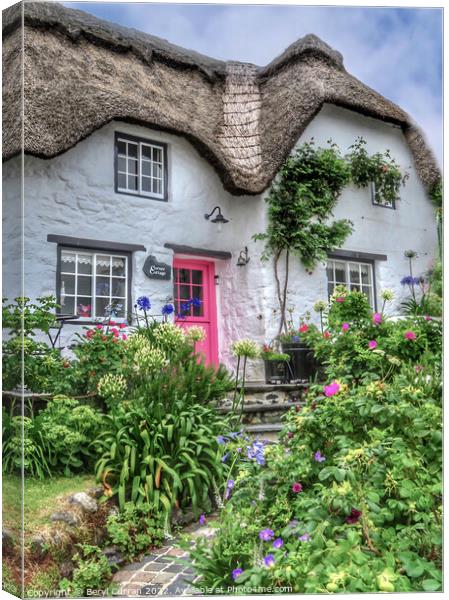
{"x":143,"y":303}
{"x":295,"y":338}
{"x":185,"y":306}
{"x":409,"y":280}
{"x":256,"y":452}
{"x":221,"y":439}
{"x":168,"y":309}
{"x":195,"y":302}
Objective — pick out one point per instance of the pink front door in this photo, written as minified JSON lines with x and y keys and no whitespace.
{"x":194,"y":279}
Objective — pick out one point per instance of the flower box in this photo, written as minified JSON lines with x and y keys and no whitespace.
{"x":276,"y":370}
{"x":303,"y":365}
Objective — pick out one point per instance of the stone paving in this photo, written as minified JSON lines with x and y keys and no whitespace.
{"x":160,"y":573}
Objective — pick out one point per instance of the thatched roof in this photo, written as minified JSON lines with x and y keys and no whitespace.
{"x":82,"y":72}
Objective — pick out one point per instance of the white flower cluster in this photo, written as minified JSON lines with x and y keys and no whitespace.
{"x":195,"y":333}
{"x":149,"y":359}
{"x":111,"y":386}
{"x":246,"y":348}
{"x":169,"y":336}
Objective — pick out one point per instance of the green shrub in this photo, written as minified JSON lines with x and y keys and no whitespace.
{"x":92,"y":571}
{"x":136,"y":529}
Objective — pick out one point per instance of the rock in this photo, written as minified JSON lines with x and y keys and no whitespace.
{"x":67,"y":517}
{"x":87,"y":503}
{"x":66,"y":569}
{"x":7,"y":540}
{"x":100,"y":536}
{"x":38,"y":546}
{"x":96,"y":492}
{"x":114,"y":556}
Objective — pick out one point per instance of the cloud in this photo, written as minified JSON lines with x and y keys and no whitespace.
{"x":396,"y":51}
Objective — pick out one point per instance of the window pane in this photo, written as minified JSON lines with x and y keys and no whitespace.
{"x":366,"y":274}
{"x":330,"y":289}
{"x":369,"y":292}
{"x":146,"y":151}
{"x":121,"y":147}
{"x":185,"y":292}
{"x":157,"y":155}
{"x":146,"y":168}
{"x":354,"y":276}
{"x":132,"y":182}
{"x":67,"y":284}
{"x":84,"y":285}
{"x":119,"y":307}
{"x":198,"y":311}
{"x":68,"y":261}
{"x":132,"y":166}
{"x":340,"y":272}
{"x":157,"y":186}
{"x":119,"y":266}
{"x":84,"y":264}
{"x":121,"y":163}
{"x":118,"y":287}
{"x":102,"y":286}
{"x":100,"y":306}
{"x":184,"y":275}
{"x":67,"y":305}
{"x":132,"y":149}
{"x":121,"y":181}
{"x":84,"y":307}
{"x":330,"y":270}
{"x":197,"y":277}
{"x":157,"y":171}
{"x":103,"y":264}
{"x":146,"y":184}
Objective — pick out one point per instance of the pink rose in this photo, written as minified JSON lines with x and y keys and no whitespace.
{"x":372,"y":344}
{"x":297,"y":487}
{"x":99,"y":326}
{"x":377,"y":318}
{"x":331,"y":389}
{"x":124,"y":336}
{"x":345,"y":327}
{"x":410,"y":335}
{"x":89,"y":333}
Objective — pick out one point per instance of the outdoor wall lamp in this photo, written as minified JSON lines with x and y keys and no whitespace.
{"x":218,"y":219}
{"x":243,"y":258}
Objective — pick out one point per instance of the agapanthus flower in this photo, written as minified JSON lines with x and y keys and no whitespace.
{"x":269,"y":560}
{"x":278,"y":543}
{"x":143,"y":303}
{"x":409,"y":280}
{"x":195,"y":302}
{"x":305,"y":537}
{"x":319,"y":306}
{"x":256,"y":452}
{"x":229,"y":488}
{"x":266,"y":535}
{"x":167,"y":309}
{"x":221,"y":439}
{"x":319,"y":457}
{"x":203,"y":520}
{"x":387,"y":295}
{"x":236,"y":573}
{"x":225,"y":457}
{"x":377,"y":318}
{"x":332,"y":389}
{"x":354,"y":516}
{"x":410,"y":335}
{"x":372,"y":344}
{"x":297,"y":487}
{"x":246,"y":348}
{"x":295,"y":338}
{"x":345,"y":327}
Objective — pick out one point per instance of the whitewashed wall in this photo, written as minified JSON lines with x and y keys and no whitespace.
{"x":73,"y":194}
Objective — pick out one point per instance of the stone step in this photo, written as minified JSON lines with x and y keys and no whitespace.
{"x":261,"y":408}
{"x":264,"y":427}
{"x":252,"y":387}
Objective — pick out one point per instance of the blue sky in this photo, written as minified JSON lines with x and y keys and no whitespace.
{"x":396,"y":51}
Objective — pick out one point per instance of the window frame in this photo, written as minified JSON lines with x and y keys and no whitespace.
{"x":93,"y":251}
{"x":373,"y":198}
{"x":125,"y":137}
{"x":347,"y":260}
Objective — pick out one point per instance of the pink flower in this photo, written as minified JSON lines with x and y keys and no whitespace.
{"x":331,"y":389}
{"x":122,"y":325}
{"x":304,"y":327}
{"x":418,"y":368}
{"x":90,"y":333}
{"x":112,"y":323}
{"x":372,"y":344}
{"x":297,"y":487}
{"x":124,"y":336}
{"x":115,"y":332}
{"x":326,"y":335}
{"x":377,"y":318}
{"x":427,"y":318}
{"x":410,"y":335}
{"x":99,"y":326}
{"x":290,"y":435}
{"x":340,"y":299}
{"x":345,"y":327}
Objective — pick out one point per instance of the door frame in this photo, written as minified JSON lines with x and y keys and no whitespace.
{"x":209,"y":265}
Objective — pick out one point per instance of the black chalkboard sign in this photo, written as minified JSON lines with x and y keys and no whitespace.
{"x":155,"y":269}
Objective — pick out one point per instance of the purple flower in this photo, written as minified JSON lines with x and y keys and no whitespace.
{"x":168,"y":309}
{"x":266,"y":535}
{"x":196,"y":302}
{"x":236,"y":573}
{"x":256,"y":452}
{"x":225,"y":457}
{"x":409,"y":280}
{"x":295,"y":338}
{"x":278,"y":543}
{"x":143,"y":303}
{"x":203,"y":520}
{"x":221,"y":439}
{"x":354,"y":516}
{"x":230,"y":484}
{"x":305,"y":537}
{"x":269,"y":560}
{"x":297,"y":487}
{"x":319,"y":457}
{"x":293,"y":523}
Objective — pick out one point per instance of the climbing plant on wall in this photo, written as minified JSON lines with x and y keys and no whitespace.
{"x":303,"y":196}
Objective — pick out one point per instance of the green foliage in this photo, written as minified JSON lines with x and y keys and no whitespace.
{"x":42,"y":366}
{"x":301,"y":201}
{"x":367,"y":516}
{"x":380,"y":169}
{"x":92,"y":572}
{"x":136,"y":529}
{"x":54,"y":441}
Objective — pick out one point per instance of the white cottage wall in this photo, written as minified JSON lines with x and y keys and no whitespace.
{"x":73,"y":194}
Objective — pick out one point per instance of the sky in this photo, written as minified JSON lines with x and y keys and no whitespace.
{"x":396,"y":51}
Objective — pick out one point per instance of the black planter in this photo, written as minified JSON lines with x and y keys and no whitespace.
{"x":303,"y":365}
{"x":276,"y":371}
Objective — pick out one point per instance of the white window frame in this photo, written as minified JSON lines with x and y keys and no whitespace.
{"x":140,"y":160}
{"x":348,"y":262}
{"x":93,"y":254}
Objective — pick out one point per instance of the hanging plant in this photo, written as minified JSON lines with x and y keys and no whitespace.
{"x":300,"y":203}
{"x":379,"y":169}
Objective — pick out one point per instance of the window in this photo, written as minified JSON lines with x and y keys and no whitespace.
{"x":189,"y":284}
{"x":140,"y":167}
{"x":91,"y":281}
{"x":378,"y":201}
{"x":354,"y":275}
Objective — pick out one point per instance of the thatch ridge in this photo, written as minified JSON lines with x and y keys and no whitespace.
{"x":242,"y":118}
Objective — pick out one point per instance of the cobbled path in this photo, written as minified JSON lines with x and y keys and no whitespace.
{"x":160,"y":573}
